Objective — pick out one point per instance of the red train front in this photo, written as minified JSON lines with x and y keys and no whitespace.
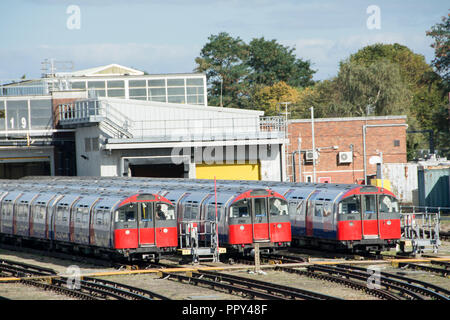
{"x":145,"y":221}
{"x":259,"y":216}
{"x":369,"y":218}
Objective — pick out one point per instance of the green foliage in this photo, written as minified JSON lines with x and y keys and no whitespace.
{"x":440,"y":32}
{"x":237,"y":70}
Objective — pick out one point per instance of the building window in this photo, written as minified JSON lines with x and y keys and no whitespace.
{"x":308,"y":178}
{"x":176,"y":91}
{"x":137,"y":89}
{"x":157,"y":90}
{"x":396,"y":143}
{"x":87,"y":145}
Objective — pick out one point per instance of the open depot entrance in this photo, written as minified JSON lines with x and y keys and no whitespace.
{"x":161,"y":170}
{"x":17,"y":170}
{"x":154,"y":167}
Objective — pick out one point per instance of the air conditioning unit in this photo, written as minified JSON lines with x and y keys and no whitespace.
{"x":345,"y":157}
{"x":310,"y":155}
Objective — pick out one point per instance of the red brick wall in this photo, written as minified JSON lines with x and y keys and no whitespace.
{"x":342,"y":132}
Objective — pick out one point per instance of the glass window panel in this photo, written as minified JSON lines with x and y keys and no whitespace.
{"x":116,"y":93}
{"x":96,"y":84}
{"x":156,"y":83}
{"x":2,"y":115}
{"x":194,"y":82}
{"x":159,"y":99}
{"x":139,"y":98}
{"x":175,"y":82}
{"x":175,"y":91}
{"x":194,"y":90}
{"x":195,"y":99}
{"x":138,"y":92}
{"x":116,"y":84}
{"x":100,"y":93}
{"x":176,"y":99}
{"x":79,"y":85}
{"x":41,"y":114}
{"x":157,"y":92}
{"x":17,"y":114}
{"x":136,"y":83}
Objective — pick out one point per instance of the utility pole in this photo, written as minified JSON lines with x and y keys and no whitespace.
{"x":313,"y":144}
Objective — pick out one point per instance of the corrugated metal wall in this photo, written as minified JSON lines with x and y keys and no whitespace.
{"x":403,"y":178}
{"x":434,"y":189}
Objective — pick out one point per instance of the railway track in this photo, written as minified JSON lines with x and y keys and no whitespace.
{"x":443,"y":272}
{"x":407,"y":287}
{"x":248,"y":288}
{"x":87,"y":288}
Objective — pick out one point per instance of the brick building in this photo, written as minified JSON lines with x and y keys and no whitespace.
{"x":341,"y":145}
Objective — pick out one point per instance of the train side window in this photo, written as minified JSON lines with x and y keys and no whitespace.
{"x":239,"y":209}
{"x":387,"y":204}
{"x":350,"y":205}
{"x":278,"y":207}
{"x":260,"y":207}
{"x":212,"y":212}
{"x":318,"y":210}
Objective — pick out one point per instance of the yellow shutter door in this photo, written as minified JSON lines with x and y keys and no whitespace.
{"x":228,"y":171}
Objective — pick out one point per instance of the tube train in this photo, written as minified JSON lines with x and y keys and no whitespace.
{"x":334,"y":216}
{"x":121,"y":218}
{"x":114,"y":224}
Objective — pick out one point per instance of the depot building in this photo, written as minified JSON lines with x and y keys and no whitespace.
{"x":117,"y":121}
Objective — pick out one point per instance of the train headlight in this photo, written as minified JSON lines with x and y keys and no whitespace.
{"x":241,"y":227}
{"x":350,"y":224}
{"x":279,"y":226}
{"x":388,"y":222}
{"x":165,"y":230}
{"x":127,"y":232}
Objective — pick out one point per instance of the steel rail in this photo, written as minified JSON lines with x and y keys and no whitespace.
{"x":379,"y":293}
{"x":442,"y":272}
{"x":271,"y":288}
{"x":225,"y":287}
{"x":436,"y":291}
{"x":389,"y":283}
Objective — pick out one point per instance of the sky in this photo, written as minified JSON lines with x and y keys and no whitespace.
{"x":165,"y":36}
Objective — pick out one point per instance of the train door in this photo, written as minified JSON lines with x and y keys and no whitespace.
{"x":146,"y":224}
{"x":369,"y":217}
{"x":165,"y":225}
{"x":260,"y":219}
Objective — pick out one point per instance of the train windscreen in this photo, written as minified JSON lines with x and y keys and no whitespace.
{"x":278,"y":207}
{"x":387,"y":204}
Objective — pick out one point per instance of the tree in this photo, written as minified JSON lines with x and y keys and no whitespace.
{"x":440,"y":32}
{"x":375,"y":88}
{"x":222,"y":59}
{"x":236,"y":70}
{"x":267,"y":97}
{"x":271,"y":62}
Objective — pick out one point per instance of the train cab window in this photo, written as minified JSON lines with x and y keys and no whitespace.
{"x":387,"y":204}
{"x":146,"y":211}
{"x":350,"y":205}
{"x":164,"y":212}
{"x":370,"y":204}
{"x":127,"y":213}
{"x":278,"y":207}
{"x":260,"y":207}
{"x":240,"y":209}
